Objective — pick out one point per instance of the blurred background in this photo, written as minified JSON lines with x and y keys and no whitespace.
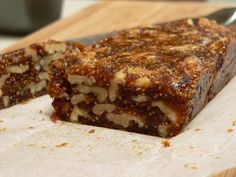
{"x":19,"y":18}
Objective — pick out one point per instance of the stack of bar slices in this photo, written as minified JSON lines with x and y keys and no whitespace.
{"x":24,"y":72}
{"x":150,"y":80}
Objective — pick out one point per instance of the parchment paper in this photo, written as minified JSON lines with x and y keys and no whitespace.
{"x":33,"y":146}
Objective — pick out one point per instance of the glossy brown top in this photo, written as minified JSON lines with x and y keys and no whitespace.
{"x":172,"y":56}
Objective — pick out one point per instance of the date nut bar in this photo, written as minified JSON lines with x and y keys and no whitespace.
{"x":24,"y":72}
{"x":150,"y":80}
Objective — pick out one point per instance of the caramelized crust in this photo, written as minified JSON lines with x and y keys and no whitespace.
{"x":24,"y":72}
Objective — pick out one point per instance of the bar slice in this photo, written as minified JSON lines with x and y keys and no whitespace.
{"x":24,"y":72}
{"x":150,"y":80}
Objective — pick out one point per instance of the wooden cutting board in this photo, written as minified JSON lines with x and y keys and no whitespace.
{"x":109,"y":16}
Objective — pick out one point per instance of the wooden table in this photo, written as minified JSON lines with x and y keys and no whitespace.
{"x":108,"y":16}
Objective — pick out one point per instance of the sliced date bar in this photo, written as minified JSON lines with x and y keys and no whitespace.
{"x":24,"y":72}
{"x":151,"y":80}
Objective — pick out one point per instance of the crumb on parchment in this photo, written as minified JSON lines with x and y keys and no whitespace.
{"x":140,"y":153}
{"x":191,"y":166}
{"x":230,"y":130}
{"x":233,"y":122}
{"x":47,"y":146}
{"x":89,"y":147}
{"x":198,"y":129}
{"x":31,"y":145}
{"x":134,"y":141}
{"x":91,"y":131}
{"x":166,"y":143}
{"x":194,"y":167}
{"x":61,"y":145}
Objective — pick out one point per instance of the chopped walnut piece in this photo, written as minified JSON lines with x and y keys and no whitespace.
{"x":124,"y":119}
{"x":143,"y":82}
{"x":99,"y":109}
{"x":17,"y":69}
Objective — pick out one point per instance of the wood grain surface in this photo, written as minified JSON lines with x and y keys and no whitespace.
{"x":109,"y":16}
{"x":226,"y":173}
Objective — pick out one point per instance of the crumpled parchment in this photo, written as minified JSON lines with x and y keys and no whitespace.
{"x":32,"y":145}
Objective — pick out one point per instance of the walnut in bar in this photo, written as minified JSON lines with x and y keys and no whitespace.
{"x":24,"y":72}
{"x":150,"y":80}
